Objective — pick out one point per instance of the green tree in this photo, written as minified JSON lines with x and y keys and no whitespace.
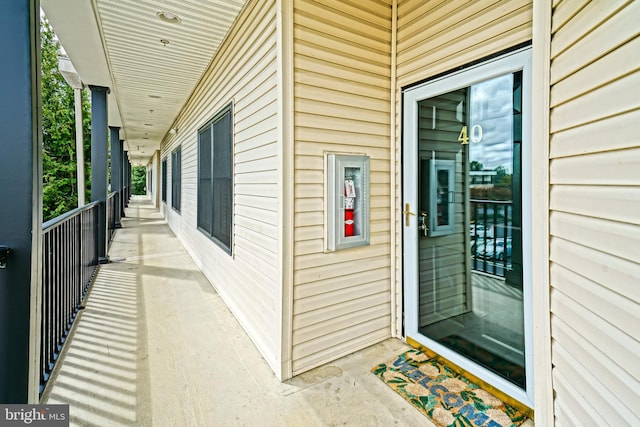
{"x":138,"y":180}
{"x":501,"y":185}
{"x":500,"y":189}
{"x":60,"y":187}
{"x":475,"y":166}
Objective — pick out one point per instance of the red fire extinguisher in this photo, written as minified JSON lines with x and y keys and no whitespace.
{"x":349,"y":204}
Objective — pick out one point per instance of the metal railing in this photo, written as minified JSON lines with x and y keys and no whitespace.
{"x":491,"y":235}
{"x":69,"y":264}
{"x":112,"y":204}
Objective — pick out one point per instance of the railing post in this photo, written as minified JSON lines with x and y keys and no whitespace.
{"x":116,"y":172}
{"x":20,"y":200}
{"x":99,"y":164}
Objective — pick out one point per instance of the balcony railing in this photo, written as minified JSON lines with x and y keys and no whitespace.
{"x":112,"y":204}
{"x":491,"y":236}
{"x":69,"y":263}
{"x":70,"y":260}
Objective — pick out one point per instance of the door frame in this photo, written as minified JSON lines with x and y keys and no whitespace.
{"x":517,"y":60}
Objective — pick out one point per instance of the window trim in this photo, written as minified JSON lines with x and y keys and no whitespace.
{"x":176,"y":179}
{"x":209,"y":124}
{"x":163,"y":171}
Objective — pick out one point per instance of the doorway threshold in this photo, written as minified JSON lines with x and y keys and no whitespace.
{"x":510,"y":400}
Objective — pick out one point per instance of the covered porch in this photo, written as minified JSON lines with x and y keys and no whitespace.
{"x":156,"y":345}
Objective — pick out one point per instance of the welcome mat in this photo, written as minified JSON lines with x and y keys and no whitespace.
{"x":512,"y":371}
{"x":449,"y":399}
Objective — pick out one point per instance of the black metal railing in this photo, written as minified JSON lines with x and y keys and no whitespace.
{"x":112,"y":200}
{"x":491,"y":236}
{"x":69,"y":264}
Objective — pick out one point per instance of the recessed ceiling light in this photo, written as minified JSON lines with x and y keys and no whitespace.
{"x":169,"y":17}
{"x":164,"y":41}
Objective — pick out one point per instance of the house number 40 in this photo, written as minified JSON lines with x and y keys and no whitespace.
{"x":476,"y":134}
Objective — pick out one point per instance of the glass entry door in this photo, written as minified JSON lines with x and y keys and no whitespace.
{"x":466,"y":289}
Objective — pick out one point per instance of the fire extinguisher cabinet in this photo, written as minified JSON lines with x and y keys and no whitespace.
{"x":347,"y":195}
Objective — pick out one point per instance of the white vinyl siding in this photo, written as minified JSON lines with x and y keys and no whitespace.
{"x":595,"y":212}
{"x":437,"y":37}
{"x":443,"y":258}
{"x":244,"y":73}
{"x":154,"y":179}
{"x":341,"y":104}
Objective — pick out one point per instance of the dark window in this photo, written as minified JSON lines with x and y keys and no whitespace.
{"x":164,"y":179}
{"x":176,"y":173}
{"x":215,"y":184}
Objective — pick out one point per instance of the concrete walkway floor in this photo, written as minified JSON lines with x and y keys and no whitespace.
{"x":156,"y":346}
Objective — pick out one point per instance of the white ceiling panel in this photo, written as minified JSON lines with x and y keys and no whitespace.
{"x":150,"y":65}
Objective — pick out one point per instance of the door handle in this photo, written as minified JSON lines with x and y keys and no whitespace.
{"x":424,"y":228}
{"x":407,"y":214}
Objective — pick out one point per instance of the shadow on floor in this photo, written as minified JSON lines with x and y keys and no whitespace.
{"x":157,"y":346}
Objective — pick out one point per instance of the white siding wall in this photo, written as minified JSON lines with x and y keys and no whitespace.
{"x":153,"y":187}
{"x":341,"y":104}
{"x":243,"y":72}
{"x":157,"y":180}
{"x":595,"y":212}
{"x":438,"y":36}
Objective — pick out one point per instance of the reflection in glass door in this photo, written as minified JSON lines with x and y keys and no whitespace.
{"x":465,"y":263}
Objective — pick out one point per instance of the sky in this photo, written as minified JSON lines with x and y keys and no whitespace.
{"x":492,"y":109}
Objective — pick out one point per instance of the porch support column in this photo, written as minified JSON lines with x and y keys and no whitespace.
{"x":82,"y":186}
{"x":116,"y":171}
{"x":122,"y":182}
{"x":20,"y":201}
{"x":125,"y":179}
{"x":99,"y":164}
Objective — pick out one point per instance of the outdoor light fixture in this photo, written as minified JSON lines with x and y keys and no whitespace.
{"x":169,"y":17}
{"x":173,"y":131}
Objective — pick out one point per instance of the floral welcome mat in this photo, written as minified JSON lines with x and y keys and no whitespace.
{"x":449,"y":399}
